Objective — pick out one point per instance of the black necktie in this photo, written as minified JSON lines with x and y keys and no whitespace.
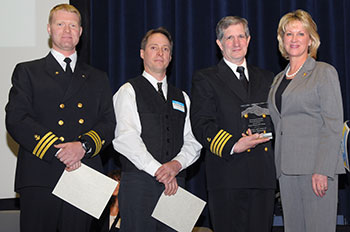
{"x":67,"y":77}
{"x":160,"y":91}
{"x":242,"y":77}
{"x":68,"y":68}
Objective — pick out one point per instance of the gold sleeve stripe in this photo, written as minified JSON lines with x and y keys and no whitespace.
{"x":47,"y":147}
{"x":223,"y":144}
{"x":213,"y":141}
{"x":99,"y":145}
{"x":40,"y":142}
{"x":219,"y":142}
{"x":95,"y":137}
{"x":97,"y":140}
{"x":43,"y":146}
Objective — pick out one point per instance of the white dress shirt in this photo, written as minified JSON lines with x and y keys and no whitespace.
{"x":128,"y":139}
{"x":233,"y":67}
{"x":60,"y":59}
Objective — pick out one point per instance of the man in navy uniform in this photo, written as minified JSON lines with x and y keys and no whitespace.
{"x":60,"y":112}
{"x":239,"y":167}
{"x":154,"y":136}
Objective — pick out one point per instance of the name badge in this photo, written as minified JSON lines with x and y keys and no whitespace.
{"x":178,"y":106}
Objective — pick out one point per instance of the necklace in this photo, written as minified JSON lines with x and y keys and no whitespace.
{"x":293,"y":74}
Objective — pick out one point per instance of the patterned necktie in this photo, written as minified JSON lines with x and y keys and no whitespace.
{"x":68,"y":68}
{"x":160,"y":91}
{"x":242,"y":77}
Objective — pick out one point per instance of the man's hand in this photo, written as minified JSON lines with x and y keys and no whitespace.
{"x":167,"y":172}
{"x":248,"y":141}
{"x":70,"y":153}
{"x":171,"y":187}
{"x":319,"y":184}
{"x":74,"y":166}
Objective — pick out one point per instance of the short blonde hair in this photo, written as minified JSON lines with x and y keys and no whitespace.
{"x":64,"y":7}
{"x":310,"y":26}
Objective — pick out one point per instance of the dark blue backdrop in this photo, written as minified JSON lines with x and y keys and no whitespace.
{"x":117,"y":27}
{"x":113,"y":30}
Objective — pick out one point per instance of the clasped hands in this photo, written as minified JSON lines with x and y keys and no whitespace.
{"x":248,"y":141}
{"x":70,"y":154}
{"x":166,"y":174}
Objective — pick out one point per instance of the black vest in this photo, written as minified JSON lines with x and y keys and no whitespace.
{"x":162,"y":123}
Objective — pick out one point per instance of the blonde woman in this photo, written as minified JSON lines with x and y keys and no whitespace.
{"x":306,"y":109}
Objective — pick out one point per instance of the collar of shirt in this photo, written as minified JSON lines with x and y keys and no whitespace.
{"x":233,"y":67}
{"x":154,"y":82}
{"x":60,"y":59}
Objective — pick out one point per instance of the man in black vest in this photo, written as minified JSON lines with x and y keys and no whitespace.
{"x":239,"y":168}
{"x":153,"y":135}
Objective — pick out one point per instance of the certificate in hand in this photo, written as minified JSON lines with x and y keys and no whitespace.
{"x":179,"y":211}
{"x":86,"y":189}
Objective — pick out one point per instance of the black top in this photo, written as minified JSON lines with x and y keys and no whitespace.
{"x":217,"y":96}
{"x":162,"y":124}
{"x":278,"y":97}
{"x":40,"y":114}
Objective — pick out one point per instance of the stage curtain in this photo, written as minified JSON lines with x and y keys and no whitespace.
{"x":116,"y":27}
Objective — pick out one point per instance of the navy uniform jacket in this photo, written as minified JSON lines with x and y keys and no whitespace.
{"x":40,"y":114}
{"x":217,"y":96}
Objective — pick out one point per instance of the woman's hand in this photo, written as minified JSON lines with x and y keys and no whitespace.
{"x":319,"y":184}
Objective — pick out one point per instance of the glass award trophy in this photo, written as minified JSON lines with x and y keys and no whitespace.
{"x":256,"y":117}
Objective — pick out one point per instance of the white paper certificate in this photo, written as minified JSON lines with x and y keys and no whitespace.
{"x":86,"y":189}
{"x":179,"y":211}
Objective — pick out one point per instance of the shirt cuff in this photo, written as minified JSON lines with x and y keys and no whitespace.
{"x":58,"y":152}
{"x":181,"y":160}
{"x":152,"y":167}
{"x":233,"y":147}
